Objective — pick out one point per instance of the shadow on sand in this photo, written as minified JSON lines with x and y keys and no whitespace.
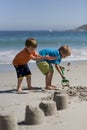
{"x":36,"y":89}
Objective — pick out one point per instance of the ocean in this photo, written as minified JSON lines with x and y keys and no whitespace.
{"x":11,"y":42}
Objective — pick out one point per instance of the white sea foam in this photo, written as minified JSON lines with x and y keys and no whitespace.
{"x":7,"y":56}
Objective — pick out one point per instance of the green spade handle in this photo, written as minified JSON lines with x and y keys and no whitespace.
{"x":64,"y":81}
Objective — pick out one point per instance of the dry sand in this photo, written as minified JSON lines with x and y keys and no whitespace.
{"x":72,"y":118}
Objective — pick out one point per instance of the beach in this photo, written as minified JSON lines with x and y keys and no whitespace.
{"x":72,"y":118}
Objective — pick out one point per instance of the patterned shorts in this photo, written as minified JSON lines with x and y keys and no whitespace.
{"x":45,"y":67}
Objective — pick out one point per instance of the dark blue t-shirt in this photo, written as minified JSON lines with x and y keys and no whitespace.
{"x":51,"y":52}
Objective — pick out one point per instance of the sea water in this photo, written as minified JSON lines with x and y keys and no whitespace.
{"x":11,"y":42}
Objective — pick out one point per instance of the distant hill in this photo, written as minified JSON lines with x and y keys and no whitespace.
{"x":82,"y":28}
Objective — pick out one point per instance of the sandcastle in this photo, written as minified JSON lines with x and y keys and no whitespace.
{"x":33,"y":115}
{"x":48,"y":107}
{"x":61,"y":101}
{"x":8,"y":122}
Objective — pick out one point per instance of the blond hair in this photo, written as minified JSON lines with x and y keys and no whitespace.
{"x":65,"y":50}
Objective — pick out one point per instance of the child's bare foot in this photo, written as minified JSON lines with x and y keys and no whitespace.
{"x":30,"y":87}
{"x":53,"y":86}
{"x":50,"y":87}
{"x":19,"y":90}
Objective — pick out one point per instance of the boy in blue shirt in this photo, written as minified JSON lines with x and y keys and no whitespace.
{"x":46,"y":66}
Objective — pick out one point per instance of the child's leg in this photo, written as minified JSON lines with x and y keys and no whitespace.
{"x":22,"y":71}
{"x":47,"y":70}
{"x":49,"y":80}
{"x":19,"y":87}
{"x":28,"y":79}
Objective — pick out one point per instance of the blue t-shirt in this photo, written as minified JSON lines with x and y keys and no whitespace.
{"x":51,"y":52}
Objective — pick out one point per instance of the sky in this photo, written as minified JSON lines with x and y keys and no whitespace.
{"x":42,"y":14}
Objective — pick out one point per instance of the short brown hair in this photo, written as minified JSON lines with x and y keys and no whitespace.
{"x":65,"y":50}
{"x":31,"y":42}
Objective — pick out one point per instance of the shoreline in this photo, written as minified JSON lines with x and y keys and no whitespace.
{"x":32,"y":65}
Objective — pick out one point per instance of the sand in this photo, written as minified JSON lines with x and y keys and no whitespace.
{"x":71,"y":118}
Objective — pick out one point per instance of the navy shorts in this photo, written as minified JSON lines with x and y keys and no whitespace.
{"x":22,"y":70}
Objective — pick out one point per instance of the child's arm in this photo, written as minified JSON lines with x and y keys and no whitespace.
{"x":61,"y":67}
{"x":38,"y":57}
{"x":59,"y":70}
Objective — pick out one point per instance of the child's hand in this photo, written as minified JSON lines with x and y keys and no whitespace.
{"x":63,"y":77}
{"x":51,"y":57}
{"x":62,"y":67}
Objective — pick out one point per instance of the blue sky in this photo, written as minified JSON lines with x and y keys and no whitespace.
{"x":42,"y":14}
